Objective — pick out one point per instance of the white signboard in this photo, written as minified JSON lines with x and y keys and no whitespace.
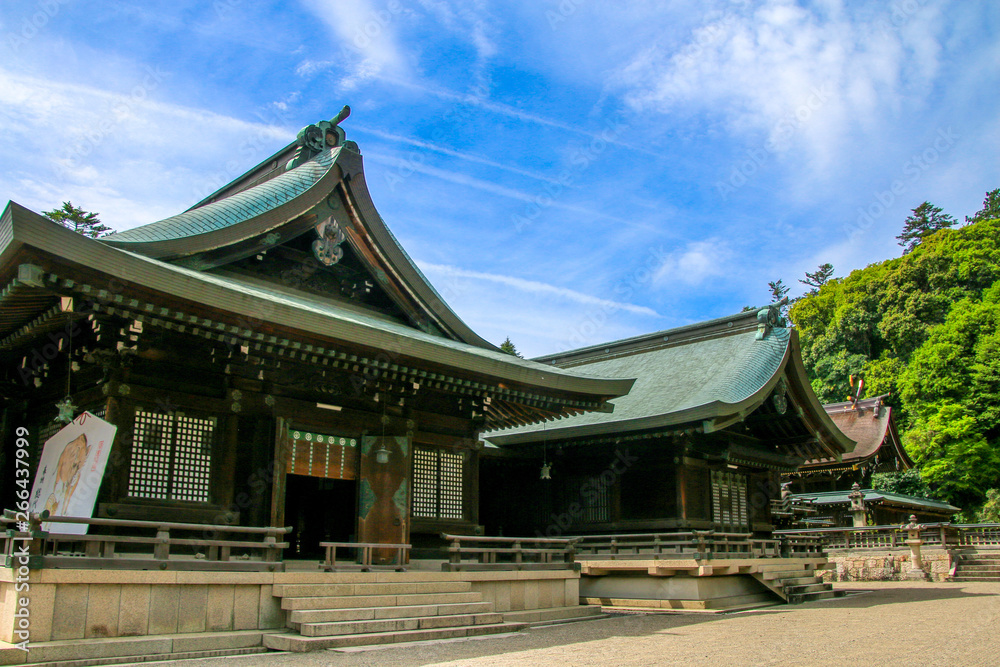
{"x":70,"y":472}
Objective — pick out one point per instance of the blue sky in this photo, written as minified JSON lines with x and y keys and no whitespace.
{"x":564,"y":172}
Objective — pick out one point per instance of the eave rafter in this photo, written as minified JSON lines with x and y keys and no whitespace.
{"x":517,"y":406}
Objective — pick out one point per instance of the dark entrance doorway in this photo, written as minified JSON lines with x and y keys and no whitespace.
{"x":319,"y":510}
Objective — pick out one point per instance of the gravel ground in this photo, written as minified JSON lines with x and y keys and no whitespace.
{"x":954,"y":624}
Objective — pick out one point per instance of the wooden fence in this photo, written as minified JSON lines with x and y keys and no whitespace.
{"x":149,"y":545}
{"x":698,"y":544}
{"x":945,"y":535}
{"x":472,"y":552}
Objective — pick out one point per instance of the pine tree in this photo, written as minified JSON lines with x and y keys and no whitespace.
{"x":924,"y":221}
{"x":819,"y":278}
{"x":80,"y":221}
{"x":991,"y":207}
{"x":778,"y":290}
{"x":508,"y":347}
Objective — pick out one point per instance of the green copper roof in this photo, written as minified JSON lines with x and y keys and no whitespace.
{"x":693,"y":379}
{"x":871,"y":496}
{"x":236,"y":208}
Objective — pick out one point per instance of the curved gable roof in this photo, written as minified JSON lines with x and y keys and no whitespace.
{"x":708,"y":374}
{"x":273,"y":203}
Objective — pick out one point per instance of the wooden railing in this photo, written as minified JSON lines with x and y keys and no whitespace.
{"x":945,"y":535}
{"x":472,"y":552}
{"x":698,"y":544}
{"x":148,"y":545}
{"x":364,"y":555}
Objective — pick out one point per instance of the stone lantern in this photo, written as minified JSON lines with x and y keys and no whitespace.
{"x":857,"y":498}
{"x":913,"y":529}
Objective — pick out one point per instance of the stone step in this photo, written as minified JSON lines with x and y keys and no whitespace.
{"x":798,"y":581}
{"x":533,"y":617}
{"x":397,"y":624}
{"x":977,"y":569}
{"x":131,"y":650}
{"x":298,"y":643}
{"x":387,"y":588}
{"x":975,"y":578}
{"x":803,"y":589}
{"x":771,"y":575}
{"x":813,"y":596}
{"x":373,"y":613}
{"x":351,"y":601}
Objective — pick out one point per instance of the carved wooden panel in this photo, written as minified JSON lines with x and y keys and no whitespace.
{"x":322,"y":455}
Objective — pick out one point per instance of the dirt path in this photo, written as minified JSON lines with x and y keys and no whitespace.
{"x":954,"y":624}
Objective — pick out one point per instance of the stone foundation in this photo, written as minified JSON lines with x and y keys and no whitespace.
{"x":96,"y":604}
{"x":886,"y":565}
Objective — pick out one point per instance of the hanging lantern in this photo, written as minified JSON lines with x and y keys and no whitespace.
{"x":546,"y":472}
{"x":382,"y":455}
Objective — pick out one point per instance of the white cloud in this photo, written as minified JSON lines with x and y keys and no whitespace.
{"x":404,"y":168}
{"x":696,"y":263}
{"x":809,"y":78}
{"x":536,"y":288}
{"x":118,"y":153}
{"x":367,"y":35}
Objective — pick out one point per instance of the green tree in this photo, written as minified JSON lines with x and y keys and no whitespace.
{"x":778,"y":290}
{"x":990,"y":511}
{"x":78,"y":220}
{"x":907,"y":482}
{"x":924,"y":221}
{"x":925,"y":328}
{"x":818,"y":278}
{"x":990,"y":209}
{"x":508,"y":347}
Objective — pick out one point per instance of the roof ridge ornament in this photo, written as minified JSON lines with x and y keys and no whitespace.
{"x":318,"y":137}
{"x":769,"y":318}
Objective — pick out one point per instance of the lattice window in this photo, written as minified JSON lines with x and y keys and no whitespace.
{"x":437,"y":484}
{"x":596,"y":502}
{"x":424,"y":483}
{"x":171,"y":456}
{"x":729,"y":499}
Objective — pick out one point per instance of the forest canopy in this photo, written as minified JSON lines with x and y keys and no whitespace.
{"x":924,"y":328}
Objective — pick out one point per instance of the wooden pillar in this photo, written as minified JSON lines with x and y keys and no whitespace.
{"x":281,"y":446}
{"x":224,"y":461}
{"x":118,"y":411}
{"x":384,"y":493}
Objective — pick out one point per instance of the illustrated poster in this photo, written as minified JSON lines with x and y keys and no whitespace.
{"x":70,"y":472}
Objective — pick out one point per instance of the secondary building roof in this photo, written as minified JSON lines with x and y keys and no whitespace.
{"x":870,"y":423}
{"x":702,"y":377}
{"x":836,"y":498}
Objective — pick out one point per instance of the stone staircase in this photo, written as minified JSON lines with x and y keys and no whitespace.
{"x":796,"y":585}
{"x":977,"y":566}
{"x":341,"y":615}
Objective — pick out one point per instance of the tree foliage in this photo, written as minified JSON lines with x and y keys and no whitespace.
{"x":924,"y":221}
{"x":925,"y":328}
{"x":905,"y":482}
{"x":80,"y":221}
{"x":990,"y":209}
{"x":508,"y":347}
{"x":818,"y":278}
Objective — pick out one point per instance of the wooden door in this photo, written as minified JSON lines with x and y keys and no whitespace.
{"x":384,"y":493}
